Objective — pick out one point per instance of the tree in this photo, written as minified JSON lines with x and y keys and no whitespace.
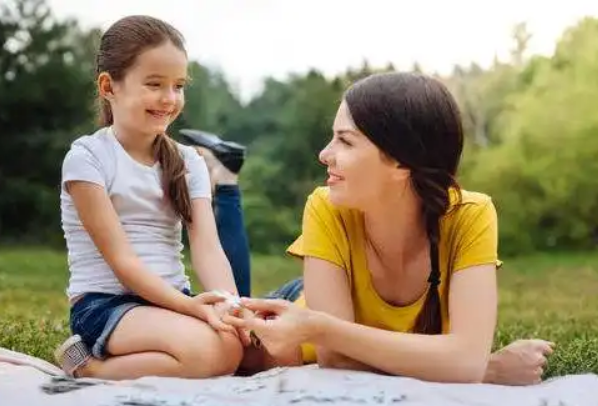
{"x":46,"y":98}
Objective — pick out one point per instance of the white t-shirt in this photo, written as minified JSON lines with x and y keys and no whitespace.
{"x":152,"y":227}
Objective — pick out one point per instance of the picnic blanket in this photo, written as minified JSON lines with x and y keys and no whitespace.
{"x":30,"y":381}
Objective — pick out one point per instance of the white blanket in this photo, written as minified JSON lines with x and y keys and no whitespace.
{"x":30,"y":381}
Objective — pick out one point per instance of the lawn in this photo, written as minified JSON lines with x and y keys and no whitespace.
{"x":550,"y":296}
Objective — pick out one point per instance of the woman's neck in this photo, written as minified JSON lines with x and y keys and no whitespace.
{"x":395,"y":227}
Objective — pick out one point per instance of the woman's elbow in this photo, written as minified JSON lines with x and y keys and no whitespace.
{"x":331,"y":360}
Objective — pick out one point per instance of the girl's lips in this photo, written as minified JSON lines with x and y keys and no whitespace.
{"x":159,"y":114}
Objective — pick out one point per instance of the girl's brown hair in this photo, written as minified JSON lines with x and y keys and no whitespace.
{"x":120,"y":45}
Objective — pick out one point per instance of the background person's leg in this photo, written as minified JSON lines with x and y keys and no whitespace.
{"x":233,"y":237}
{"x":228,"y":210}
{"x":289,"y":291}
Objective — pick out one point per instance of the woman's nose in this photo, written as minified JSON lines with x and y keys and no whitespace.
{"x":325,"y":155}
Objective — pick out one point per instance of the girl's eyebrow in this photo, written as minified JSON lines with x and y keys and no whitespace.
{"x":158,"y":76}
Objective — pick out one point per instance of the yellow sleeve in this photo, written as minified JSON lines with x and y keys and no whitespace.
{"x":478,"y":237}
{"x":323,"y":235}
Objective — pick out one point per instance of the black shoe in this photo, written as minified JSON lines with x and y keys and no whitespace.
{"x":231,"y":154}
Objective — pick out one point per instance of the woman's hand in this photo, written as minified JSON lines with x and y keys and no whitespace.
{"x":520,"y":363}
{"x":280,"y":325}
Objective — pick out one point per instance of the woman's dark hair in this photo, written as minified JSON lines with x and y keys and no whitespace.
{"x":120,"y":46}
{"x":414,"y":119}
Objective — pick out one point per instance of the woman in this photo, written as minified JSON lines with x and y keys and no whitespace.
{"x":399,"y":262}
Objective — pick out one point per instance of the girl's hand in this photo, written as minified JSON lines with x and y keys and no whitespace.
{"x":207,"y":307}
{"x":281,"y":327}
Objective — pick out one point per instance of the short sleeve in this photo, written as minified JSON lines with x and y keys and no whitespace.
{"x":323,"y":234}
{"x":81,"y":165}
{"x":477,"y":242}
{"x":198,"y":179}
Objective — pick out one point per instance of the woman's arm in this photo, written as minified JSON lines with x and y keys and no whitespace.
{"x":459,"y":356}
{"x":101,"y":222}
{"x":327,"y":290}
{"x":209,"y":260}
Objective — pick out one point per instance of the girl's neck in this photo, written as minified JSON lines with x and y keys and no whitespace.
{"x":137,"y":144}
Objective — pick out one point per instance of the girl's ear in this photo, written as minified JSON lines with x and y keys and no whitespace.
{"x":104,"y":83}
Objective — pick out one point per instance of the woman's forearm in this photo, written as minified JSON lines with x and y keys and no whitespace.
{"x":440,"y":358}
{"x":335,"y":360}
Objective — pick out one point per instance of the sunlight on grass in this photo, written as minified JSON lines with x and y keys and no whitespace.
{"x":554,"y":297}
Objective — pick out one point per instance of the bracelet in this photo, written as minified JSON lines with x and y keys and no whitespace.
{"x":232,"y":300}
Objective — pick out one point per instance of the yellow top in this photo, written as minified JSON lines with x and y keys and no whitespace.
{"x":468,"y":237}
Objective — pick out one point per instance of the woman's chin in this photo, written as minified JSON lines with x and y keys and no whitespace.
{"x":338,"y":197}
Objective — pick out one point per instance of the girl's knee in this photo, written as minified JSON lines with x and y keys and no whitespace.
{"x":232,"y":352}
{"x":216,"y":355}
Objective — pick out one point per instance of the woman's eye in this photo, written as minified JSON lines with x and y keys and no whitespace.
{"x":344,"y":141}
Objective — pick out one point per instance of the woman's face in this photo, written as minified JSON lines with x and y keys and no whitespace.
{"x":359,"y":173}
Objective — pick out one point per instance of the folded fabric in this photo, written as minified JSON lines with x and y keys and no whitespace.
{"x":18,"y":358}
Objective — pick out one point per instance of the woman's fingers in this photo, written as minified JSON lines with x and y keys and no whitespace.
{"x":235,"y":321}
{"x":545,"y":347}
{"x":276,"y":306}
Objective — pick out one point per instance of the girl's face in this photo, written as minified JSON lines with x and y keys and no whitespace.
{"x":151,"y":94}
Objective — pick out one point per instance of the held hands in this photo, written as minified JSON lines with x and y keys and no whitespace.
{"x":213,"y":306}
{"x":280,"y":326}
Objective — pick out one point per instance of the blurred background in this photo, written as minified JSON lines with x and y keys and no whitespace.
{"x":269,"y":74}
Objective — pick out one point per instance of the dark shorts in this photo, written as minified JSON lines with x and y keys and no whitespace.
{"x":95,"y":316}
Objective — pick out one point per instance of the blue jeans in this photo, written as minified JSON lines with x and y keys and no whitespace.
{"x":233,"y":237}
{"x":232,"y":234}
{"x":95,"y":317}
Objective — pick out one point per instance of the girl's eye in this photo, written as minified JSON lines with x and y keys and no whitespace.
{"x":153,"y":84}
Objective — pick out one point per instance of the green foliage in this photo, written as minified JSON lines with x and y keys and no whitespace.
{"x":542,"y":176}
{"x":529,"y":123}
{"x":45,"y":93}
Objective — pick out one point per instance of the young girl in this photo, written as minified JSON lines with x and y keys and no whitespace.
{"x":126,"y":191}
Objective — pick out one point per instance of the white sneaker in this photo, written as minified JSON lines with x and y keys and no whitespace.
{"x":72,"y":354}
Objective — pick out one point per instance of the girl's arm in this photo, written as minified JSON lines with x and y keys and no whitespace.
{"x":101,"y":222}
{"x":209,"y":260}
{"x":459,"y":356}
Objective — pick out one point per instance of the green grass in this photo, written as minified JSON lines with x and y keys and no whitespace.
{"x":549,"y":296}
